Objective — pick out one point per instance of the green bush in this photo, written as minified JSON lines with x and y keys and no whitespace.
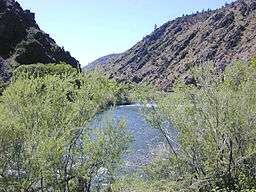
{"x":216,"y":123}
{"x":136,"y":183}
{"x":40,"y":70}
{"x":45,"y":140}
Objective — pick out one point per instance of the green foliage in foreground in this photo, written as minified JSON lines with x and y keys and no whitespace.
{"x":216,"y":120}
{"x":45,"y":141}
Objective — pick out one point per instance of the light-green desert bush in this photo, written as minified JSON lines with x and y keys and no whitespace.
{"x":40,"y":70}
{"x":216,"y":121}
{"x":45,"y":141}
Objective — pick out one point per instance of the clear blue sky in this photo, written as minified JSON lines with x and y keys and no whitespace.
{"x":93,"y":28}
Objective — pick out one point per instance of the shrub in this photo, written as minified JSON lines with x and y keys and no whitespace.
{"x":40,"y":70}
{"x":216,"y":123}
{"x":45,"y":141}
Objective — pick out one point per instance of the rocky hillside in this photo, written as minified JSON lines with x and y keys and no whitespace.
{"x":4,"y":75}
{"x":101,"y":62}
{"x":221,"y":35}
{"x":23,"y":42}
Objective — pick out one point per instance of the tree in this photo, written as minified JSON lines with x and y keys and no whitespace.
{"x":40,"y":70}
{"x":45,"y":141}
{"x":155,"y":27}
{"x":216,"y":123}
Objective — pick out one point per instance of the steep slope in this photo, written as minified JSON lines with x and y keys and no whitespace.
{"x":4,"y":75}
{"x":101,"y":62}
{"x":222,"y":36}
{"x":23,"y":42}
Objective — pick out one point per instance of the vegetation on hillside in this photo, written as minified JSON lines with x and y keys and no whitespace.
{"x":41,"y":70}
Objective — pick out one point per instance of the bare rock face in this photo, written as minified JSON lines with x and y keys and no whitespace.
{"x":222,"y":36}
{"x":23,"y":42}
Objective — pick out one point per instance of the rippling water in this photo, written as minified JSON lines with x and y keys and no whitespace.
{"x":147,"y":141}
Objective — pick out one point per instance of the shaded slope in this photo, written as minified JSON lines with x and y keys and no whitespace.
{"x":23,"y":42}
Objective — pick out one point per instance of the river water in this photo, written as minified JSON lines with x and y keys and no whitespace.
{"x":147,"y":141}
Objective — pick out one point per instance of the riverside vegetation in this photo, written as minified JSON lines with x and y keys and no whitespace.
{"x":216,"y":146}
{"x":47,"y":145}
{"x":45,"y":142}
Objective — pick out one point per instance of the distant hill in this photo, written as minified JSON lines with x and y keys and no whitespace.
{"x":221,"y":36}
{"x":23,"y":42}
{"x":101,"y":62}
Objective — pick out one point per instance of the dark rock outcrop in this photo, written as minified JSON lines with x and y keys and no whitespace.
{"x":221,"y":36}
{"x":4,"y":73}
{"x":23,"y":42}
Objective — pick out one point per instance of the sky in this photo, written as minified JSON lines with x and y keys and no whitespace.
{"x":90,"y":29}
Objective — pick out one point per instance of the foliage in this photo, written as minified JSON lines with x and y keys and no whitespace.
{"x":136,"y":183}
{"x":123,"y":94}
{"x":215,"y":148}
{"x":40,"y":70}
{"x":145,"y":93}
{"x":45,"y":141}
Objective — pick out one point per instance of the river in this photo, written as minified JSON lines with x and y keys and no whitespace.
{"x":147,"y":141}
